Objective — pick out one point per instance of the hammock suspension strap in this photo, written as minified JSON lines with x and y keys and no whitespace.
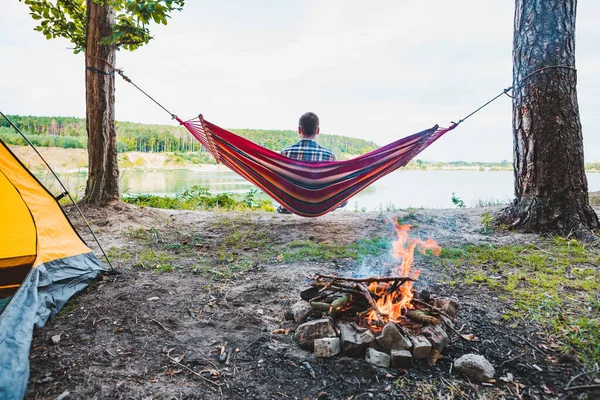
{"x":181,"y":122}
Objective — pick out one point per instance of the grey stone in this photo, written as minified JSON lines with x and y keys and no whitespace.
{"x":351,"y":339}
{"x":401,"y":359}
{"x":301,"y":310}
{"x":309,"y":293}
{"x":288,"y":315}
{"x":309,"y":331}
{"x":327,"y":347}
{"x":437,"y":336}
{"x":367,"y":337}
{"x":392,"y":339}
{"x":421,"y":347}
{"x":378,"y":358}
{"x":475,"y":367}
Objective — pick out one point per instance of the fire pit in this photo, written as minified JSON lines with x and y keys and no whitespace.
{"x":382,"y":318}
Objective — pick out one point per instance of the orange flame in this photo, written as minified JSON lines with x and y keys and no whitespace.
{"x":392,"y":305}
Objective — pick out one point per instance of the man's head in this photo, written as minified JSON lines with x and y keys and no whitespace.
{"x":308,"y":126}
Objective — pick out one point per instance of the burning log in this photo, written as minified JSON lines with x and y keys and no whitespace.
{"x":437,"y":310}
{"x":421,"y":317}
{"x":338,"y":304}
{"x":320,"y":306}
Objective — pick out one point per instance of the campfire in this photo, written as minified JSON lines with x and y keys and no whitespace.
{"x":383,"y":317}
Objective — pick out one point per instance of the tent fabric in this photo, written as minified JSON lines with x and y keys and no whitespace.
{"x":41,"y":296}
{"x":308,"y":189}
{"x":55,"y":237}
{"x":43,"y":262}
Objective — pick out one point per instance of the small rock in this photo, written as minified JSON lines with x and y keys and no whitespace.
{"x":421,"y":347}
{"x":448,"y":305}
{"x":392,"y":339}
{"x":288,"y":315}
{"x":301,"y":310}
{"x":401,"y":359}
{"x":367,"y":337}
{"x":437,"y":336}
{"x":378,"y":358}
{"x":475,"y":367}
{"x":425,"y":295}
{"x":351,"y":339}
{"x":55,"y":339}
{"x":153,"y":298}
{"x":327,"y":347}
{"x":309,"y":331}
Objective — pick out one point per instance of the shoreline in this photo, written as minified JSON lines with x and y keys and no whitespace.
{"x":74,"y":161}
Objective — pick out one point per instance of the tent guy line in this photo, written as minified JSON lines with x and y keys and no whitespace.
{"x":43,"y":263}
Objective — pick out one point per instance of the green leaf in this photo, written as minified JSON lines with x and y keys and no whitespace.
{"x":67,"y":19}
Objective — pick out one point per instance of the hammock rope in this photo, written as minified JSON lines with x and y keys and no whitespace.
{"x":306,"y":188}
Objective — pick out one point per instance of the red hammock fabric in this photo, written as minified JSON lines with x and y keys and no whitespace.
{"x":306,"y":188}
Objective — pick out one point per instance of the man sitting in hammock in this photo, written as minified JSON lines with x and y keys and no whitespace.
{"x":307,"y":149}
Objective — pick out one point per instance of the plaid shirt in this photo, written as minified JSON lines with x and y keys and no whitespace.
{"x":308,"y":150}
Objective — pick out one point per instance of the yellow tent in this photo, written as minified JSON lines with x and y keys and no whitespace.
{"x":43,"y":262}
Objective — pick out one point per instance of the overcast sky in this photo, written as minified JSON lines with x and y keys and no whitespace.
{"x":375,"y":70}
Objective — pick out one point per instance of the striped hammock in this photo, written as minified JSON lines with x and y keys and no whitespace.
{"x":308,"y":189}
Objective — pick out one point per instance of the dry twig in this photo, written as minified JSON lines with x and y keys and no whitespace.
{"x":174,"y":361}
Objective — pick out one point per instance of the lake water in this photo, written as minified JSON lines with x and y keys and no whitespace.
{"x":403,"y":189}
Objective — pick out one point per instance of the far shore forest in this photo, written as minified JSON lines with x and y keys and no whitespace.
{"x":182,"y":150}
{"x":70,"y":132}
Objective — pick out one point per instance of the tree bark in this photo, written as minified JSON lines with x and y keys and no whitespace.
{"x":550,"y":184}
{"x":103,"y":179}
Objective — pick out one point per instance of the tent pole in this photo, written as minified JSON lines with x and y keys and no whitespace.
{"x":66,"y":192}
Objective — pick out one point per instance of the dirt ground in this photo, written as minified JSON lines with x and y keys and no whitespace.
{"x":219,"y":284}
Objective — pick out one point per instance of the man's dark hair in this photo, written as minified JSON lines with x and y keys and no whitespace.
{"x":309,"y":123}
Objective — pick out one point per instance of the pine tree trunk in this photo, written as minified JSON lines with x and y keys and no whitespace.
{"x":103,"y":179}
{"x":550,"y":184}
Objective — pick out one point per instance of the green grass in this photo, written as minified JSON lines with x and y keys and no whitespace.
{"x":122,"y":255}
{"x":142,"y":233}
{"x":239,"y":245}
{"x":555,"y":285}
{"x":412,"y":215}
{"x":158,"y":261}
{"x":223,"y":271}
{"x":487,"y":220}
{"x":307,"y":250}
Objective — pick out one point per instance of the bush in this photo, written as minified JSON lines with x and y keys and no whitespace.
{"x":198,"y":198}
